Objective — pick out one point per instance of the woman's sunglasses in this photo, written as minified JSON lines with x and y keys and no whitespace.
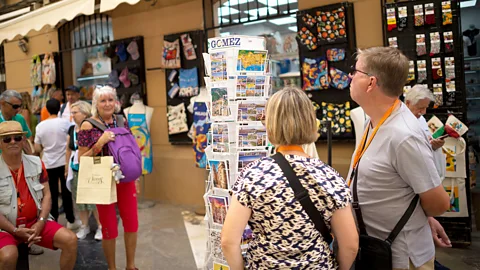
{"x":17,"y":138}
{"x":14,"y":106}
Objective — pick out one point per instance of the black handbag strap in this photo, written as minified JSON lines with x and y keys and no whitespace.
{"x":301,"y":195}
{"x":358,"y":212}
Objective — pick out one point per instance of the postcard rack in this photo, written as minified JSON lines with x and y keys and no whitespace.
{"x":238,"y":83}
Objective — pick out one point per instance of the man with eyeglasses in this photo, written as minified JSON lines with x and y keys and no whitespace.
{"x":10,"y":104}
{"x":25,"y":202}
{"x":393,"y":165}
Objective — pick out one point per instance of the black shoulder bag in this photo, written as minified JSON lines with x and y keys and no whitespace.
{"x":375,"y":253}
{"x":301,"y":195}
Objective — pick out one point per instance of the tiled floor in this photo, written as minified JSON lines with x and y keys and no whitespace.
{"x":170,"y":238}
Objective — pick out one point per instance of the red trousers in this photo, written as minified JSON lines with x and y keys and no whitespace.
{"x":127,"y":206}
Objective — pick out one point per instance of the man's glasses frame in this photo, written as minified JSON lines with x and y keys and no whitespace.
{"x":16,"y":138}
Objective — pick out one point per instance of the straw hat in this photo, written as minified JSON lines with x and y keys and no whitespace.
{"x":11,"y":128}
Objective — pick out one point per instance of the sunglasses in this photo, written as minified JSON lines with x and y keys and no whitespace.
{"x":14,"y":106}
{"x":17,"y":138}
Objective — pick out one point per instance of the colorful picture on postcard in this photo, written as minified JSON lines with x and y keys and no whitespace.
{"x":219,"y":171}
{"x":251,"y":61}
{"x":250,"y":86}
{"x":247,"y":236}
{"x":252,"y":137}
{"x":218,"y":66}
{"x":251,"y":111}
{"x":220,"y":141}
{"x":220,"y":102}
{"x":219,"y":266}
{"x":246,"y":157}
{"x":218,"y":208}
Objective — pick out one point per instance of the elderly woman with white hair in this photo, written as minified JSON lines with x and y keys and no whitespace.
{"x":284,"y":235}
{"x":92,"y":141}
{"x":418,"y":99}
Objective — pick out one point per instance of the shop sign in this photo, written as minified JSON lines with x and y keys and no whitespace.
{"x":253,"y":43}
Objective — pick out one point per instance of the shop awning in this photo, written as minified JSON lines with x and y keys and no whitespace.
{"x":106,"y":5}
{"x":48,"y":15}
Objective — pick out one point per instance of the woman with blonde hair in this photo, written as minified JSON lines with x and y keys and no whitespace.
{"x":284,"y":236}
{"x":92,"y":141}
{"x":27,"y":113}
{"x":80,"y":111}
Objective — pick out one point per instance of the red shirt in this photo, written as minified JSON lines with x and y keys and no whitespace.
{"x":26,"y":204}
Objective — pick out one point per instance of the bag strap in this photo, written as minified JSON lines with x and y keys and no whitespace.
{"x":401,"y":223}
{"x":62,"y":109}
{"x":96,"y":124}
{"x":302,"y":196}
{"x":120,"y":120}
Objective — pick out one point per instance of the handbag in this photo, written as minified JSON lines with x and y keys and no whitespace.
{"x":375,"y":253}
{"x":302,"y":196}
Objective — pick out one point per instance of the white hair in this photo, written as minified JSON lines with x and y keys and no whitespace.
{"x":417,"y":93}
{"x":104,"y":91}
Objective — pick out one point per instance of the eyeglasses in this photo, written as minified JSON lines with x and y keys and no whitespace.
{"x":16,"y":138}
{"x":354,"y":70}
{"x":14,"y":106}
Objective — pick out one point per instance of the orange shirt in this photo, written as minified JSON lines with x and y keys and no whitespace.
{"x":44,"y":114}
{"x":26,"y":204}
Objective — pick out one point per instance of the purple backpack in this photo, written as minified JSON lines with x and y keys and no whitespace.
{"x":124,"y":149}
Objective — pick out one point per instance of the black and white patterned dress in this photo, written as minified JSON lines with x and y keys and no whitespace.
{"x":284,"y":235}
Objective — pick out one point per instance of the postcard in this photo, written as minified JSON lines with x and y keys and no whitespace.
{"x":251,"y":61}
{"x":219,"y":171}
{"x":250,"y":86}
{"x":218,"y":66}
{"x":218,"y":208}
{"x":246,"y":157}
{"x":220,"y":102}
{"x":220,"y":142}
{"x":247,"y":236}
{"x":216,"y":244}
{"x":251,"y":111}
{"x":252,"y":137}
{"x":219,"y":266}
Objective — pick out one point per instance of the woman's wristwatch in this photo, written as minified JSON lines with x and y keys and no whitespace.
{"x":42,"y":219}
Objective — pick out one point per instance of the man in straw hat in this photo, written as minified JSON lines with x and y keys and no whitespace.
{"x":25,"y":203}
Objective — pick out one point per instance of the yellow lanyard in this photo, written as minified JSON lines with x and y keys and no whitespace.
{"x":362,"y":147}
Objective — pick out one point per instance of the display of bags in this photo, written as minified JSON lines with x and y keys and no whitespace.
{"x":177,"y":119}
{"x":95,"y":181}
{"x":36,"y":71}
{"x":171,"y":54}
{"x":455,"y":187}
{"x":48,"y":69}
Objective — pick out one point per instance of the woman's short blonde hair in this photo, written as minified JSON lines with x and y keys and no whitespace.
{"x":83,"y":107}
{"x":290,"y":118}
{"x":104,"y":91}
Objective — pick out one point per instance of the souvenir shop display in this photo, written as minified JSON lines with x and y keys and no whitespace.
{"x":127,"y":72}
{"x":183,"y":65}
{"x":238,"y":83}
{"x":326,"y":46}
{"x":45,"y":76}
{"x":428,"y":40}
